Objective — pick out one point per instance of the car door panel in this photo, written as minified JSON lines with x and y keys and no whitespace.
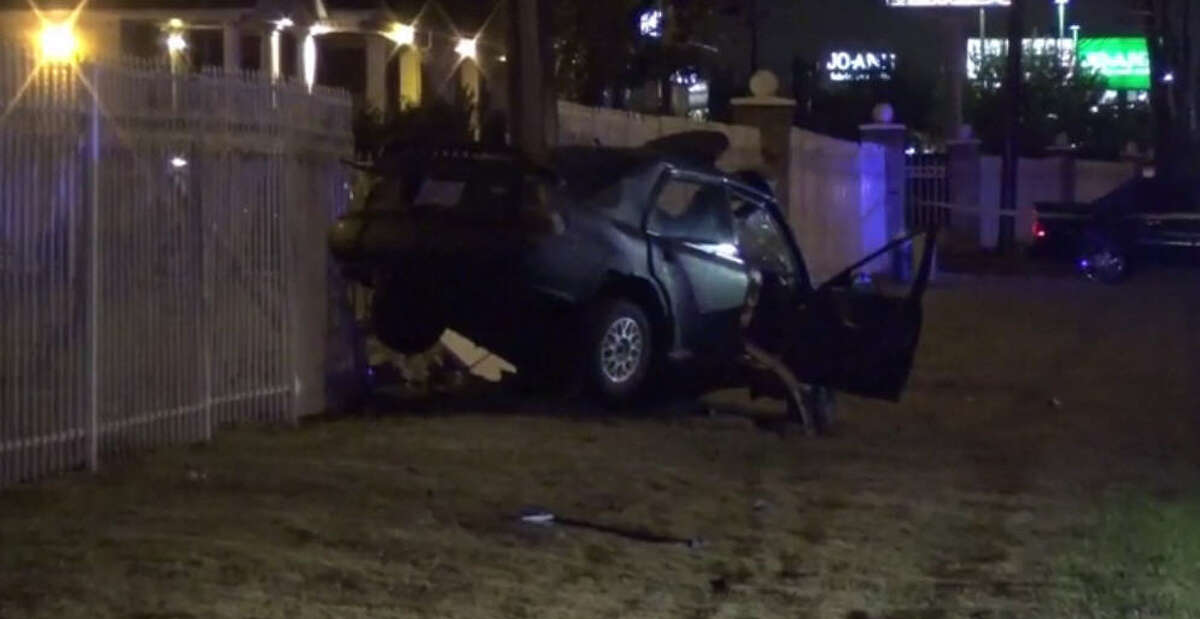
{"x":706,"y":282}
{"x":858,"y":341}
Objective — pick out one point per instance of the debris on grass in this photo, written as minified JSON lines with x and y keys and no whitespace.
{"x":542,"y":517}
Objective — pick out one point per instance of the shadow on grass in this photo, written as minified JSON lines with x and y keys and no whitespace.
{"x":729,"y":407}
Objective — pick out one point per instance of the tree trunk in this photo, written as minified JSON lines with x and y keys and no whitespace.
{"x":534,"y":122}
{"x":1169,"y":30}
{"x":1012,"y":151}
{"x":1160,"y":103}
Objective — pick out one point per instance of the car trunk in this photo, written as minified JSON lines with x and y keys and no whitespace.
{"x":443,"y":213}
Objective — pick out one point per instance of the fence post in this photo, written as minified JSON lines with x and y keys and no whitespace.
{"x":1065,"y":155}
{"x":890,"y":135}
{"x":964,"y":167}
{"x":773,"y":117}
{"x":93,"y":433}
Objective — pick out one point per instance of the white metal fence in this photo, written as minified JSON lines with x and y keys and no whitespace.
{"x":927,"y":191}
{"x":162,"y":260}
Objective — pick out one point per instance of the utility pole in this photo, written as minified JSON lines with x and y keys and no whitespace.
{"x":1012,"y":152}
{"x":533,"y":109}
{"x":954,"y":39}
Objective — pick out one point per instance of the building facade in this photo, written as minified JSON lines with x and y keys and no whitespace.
{"x":387,"y":58}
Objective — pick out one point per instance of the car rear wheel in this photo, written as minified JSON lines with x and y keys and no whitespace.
{"x":405,"y":325}
{"x":619,"y":350}
{"x":1105,"y":264}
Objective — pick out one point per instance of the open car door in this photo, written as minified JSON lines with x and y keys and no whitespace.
{"x":855,"y":338}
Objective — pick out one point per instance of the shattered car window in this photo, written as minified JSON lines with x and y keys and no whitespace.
{"x":676,"y":197}
{"x":761,"y":241}
{"x":440,"y":193}
{"x":693,"y":211}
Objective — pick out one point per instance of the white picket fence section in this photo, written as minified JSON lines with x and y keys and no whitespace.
{"x":162,"y":259}
{"x":927,"y":189}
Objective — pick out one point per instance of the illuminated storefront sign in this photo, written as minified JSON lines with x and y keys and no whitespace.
{"x":978,"y":50}
{"x":1124,"y":62}
{"x":847,"y":66}
{"x":650,"y":23}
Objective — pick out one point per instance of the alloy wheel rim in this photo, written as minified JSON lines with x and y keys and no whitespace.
{"x":621,"y":350}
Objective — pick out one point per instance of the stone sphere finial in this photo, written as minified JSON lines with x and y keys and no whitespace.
{"x":883,"y":113}
{"x":764,"y":84}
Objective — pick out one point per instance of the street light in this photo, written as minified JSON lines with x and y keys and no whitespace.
{"x":176,"y":43}
{"x":58,"y":42}
{"x":1062,"y":17}
{"x":467,"y":48}
{"x":402,"y":34}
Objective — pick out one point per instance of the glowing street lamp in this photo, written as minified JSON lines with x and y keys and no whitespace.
{"x":402,"y":34}
{"x":58,"y":42}
{"x":1062,"y":17}
{"x":468,"y":49}
{"x":176,"y":43}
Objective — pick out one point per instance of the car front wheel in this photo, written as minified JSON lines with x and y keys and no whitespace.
{"x":620,"y":349}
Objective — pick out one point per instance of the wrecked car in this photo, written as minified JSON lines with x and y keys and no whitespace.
{"x":623,"y":267}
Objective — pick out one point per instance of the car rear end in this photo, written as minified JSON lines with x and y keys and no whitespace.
{"x":441,"y":237}
{"x":1058,"y":229}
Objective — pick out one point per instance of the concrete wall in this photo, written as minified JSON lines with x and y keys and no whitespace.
{"x":1095,"y":179}
{"x":585,"y":125}
{"x":1041,"y":180}
{"x":837,"y":202}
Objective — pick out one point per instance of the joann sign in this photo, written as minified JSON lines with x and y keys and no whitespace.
{"x":1124,"y":62}
{"x":857,"y":66}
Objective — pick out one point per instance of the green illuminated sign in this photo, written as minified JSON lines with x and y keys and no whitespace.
{"x":1124,"y":62}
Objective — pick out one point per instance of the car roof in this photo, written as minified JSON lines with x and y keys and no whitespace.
{"x":1141,"y":194}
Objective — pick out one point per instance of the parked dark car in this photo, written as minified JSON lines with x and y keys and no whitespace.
{"x":1144,"y":220}
{"x":617,"y":265}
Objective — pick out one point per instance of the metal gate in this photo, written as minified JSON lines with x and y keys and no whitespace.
{"x":162,"y":263}
{"x":927,"y":190}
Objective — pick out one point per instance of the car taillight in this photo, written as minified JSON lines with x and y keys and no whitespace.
{"x":1039,"y":231}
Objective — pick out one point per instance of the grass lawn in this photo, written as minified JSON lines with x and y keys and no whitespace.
{"x":1042,"y":465}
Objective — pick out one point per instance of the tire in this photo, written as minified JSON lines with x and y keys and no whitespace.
{"x":618,"y":351}
{"x":405,"y":328}
{"x":1103,"y":261}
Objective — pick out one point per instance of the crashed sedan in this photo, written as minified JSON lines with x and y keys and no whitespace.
{"x":623,"y":268}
